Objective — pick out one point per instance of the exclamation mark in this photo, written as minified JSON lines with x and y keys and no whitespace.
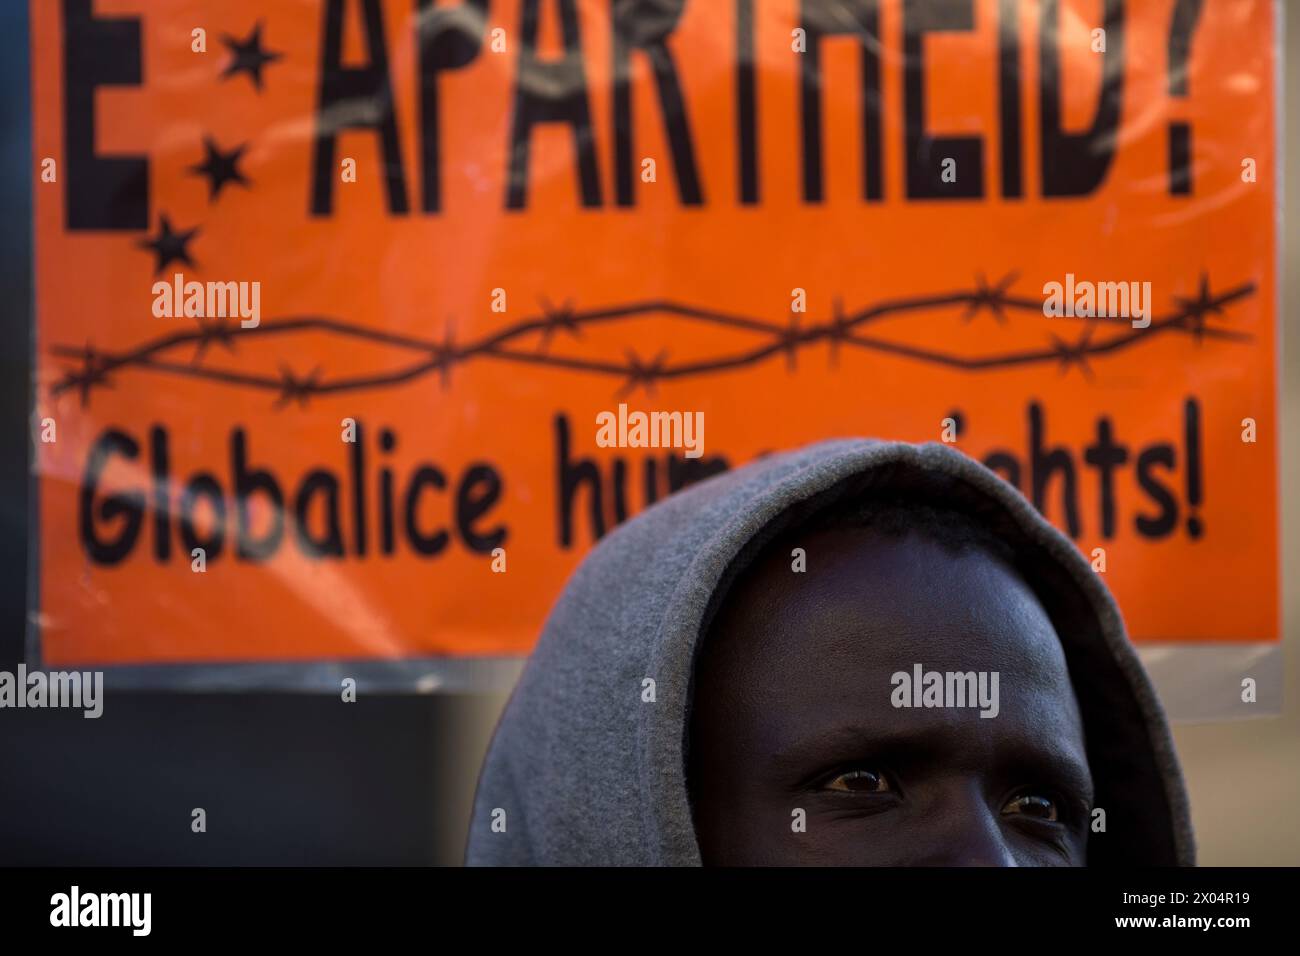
{"x":1181,"y":27}
{"x":1192,"y":440}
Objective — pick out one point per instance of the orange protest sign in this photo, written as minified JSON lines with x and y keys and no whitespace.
{"x":339,"y":306}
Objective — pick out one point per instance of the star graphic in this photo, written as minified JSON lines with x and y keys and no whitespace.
{"x":170,"y":245}
{"x":249,"y":56}
{"x":220,"y":168}
{"x":1195,"y":310}
{"x":296,"y":389}
{"x":218,"y":331}
{"x":1076,"y":354}
{"x":989,"y":297}
{"x":641,"y":373}
{"x":557,"y":319}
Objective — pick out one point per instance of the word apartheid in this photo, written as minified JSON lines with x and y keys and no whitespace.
{"x":555,"y":90}
{"x":459,"y":52}
{"x":328,"y":513}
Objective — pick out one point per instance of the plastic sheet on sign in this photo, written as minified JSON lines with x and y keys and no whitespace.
{"x":328,"y":297}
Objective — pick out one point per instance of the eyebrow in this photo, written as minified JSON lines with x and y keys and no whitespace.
{"x":816,"y":753}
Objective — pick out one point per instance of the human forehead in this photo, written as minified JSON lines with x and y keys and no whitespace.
{"x":854,"y":596}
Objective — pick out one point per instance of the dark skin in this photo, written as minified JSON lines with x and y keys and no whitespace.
{"x":792,"y":710}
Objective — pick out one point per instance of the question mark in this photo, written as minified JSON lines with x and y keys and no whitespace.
{"x":1186,"y":15}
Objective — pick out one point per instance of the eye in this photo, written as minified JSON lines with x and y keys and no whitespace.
{"x":1032,"y":805}
{"x":860,"y":781}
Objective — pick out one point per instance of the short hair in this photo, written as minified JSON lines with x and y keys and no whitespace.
{"x":896,"y":516}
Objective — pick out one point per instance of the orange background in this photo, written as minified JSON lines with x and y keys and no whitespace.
{"x":420,"y":274}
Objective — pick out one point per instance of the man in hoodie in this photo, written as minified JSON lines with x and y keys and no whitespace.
{"x":854,"y":653}
{"x":895,"y":740}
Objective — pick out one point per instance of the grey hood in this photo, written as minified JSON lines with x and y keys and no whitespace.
{"x":582,"y":772}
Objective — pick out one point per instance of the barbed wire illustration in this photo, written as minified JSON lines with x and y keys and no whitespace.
{"x":843,"y":329}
